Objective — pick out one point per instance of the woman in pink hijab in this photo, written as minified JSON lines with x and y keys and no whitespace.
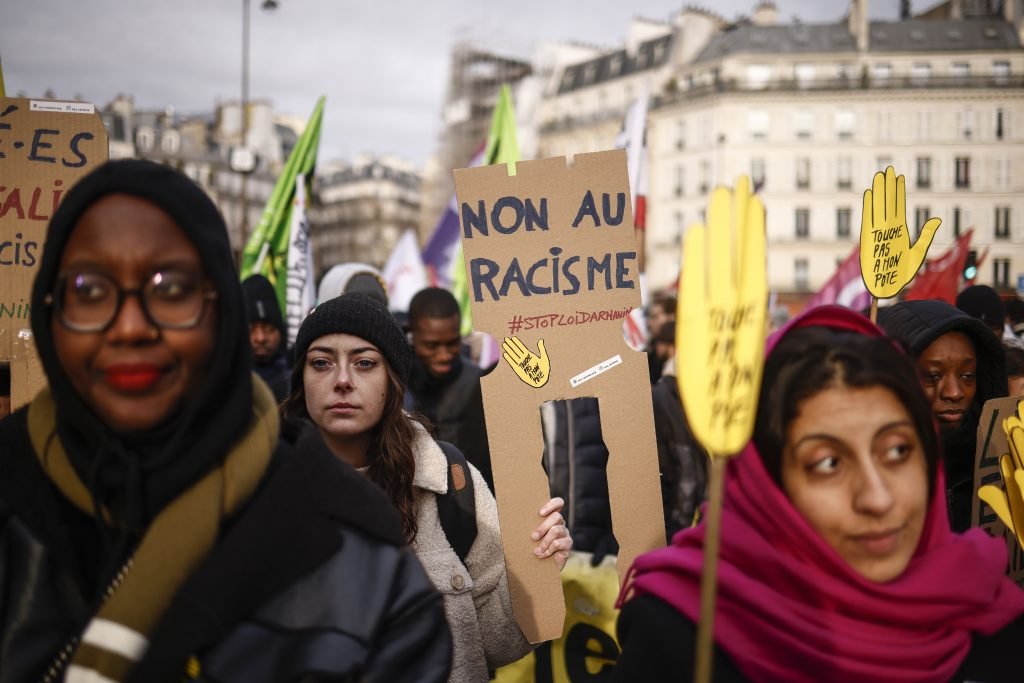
{"x":837,"y":561}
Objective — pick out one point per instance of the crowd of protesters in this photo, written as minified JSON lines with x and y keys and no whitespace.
{"x":191,"y":497}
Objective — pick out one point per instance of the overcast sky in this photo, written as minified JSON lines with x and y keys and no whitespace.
{"x":382,"y":64}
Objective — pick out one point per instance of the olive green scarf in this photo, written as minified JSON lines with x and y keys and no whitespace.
{"x":173,"y":545}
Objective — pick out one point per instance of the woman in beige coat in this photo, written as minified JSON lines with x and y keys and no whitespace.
{"x":352,"y":361}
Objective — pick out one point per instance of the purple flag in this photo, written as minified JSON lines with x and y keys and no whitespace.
{"x":441,"y":247}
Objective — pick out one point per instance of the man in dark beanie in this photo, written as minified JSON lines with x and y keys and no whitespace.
{"x":982,"y":302}
{"x":266,"y":334}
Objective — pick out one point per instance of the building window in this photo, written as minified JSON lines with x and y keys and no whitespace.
{"x":1001,"y":71}
{"x":920,"y":73}
{"x":883,"y":163}
{"x":800,"y":275}
{"x":960,"y":70}
{"x":921,"y":215}
{"x":844,"y":71}
{"x":883,"y":126}
{"x":803,"y":122}
{"x":845,"y":122}
{"x":965,"y":123}
{"x":589,"y":73}
{"x":1003,"y":173}
{"x":924,"y":126}
{"x":680,"y":134}
{"x":615,"y":65}
{"x":680,"y":225}
{"x":757,"y":173}
{"x":963,"y":172}
{"x":956,"y":221}
{"x":881,"y":73}
{"x":803,"y":173}
{"x":844,"y":173}
{"x":758,"y":122}
{"x":924,"y":173}
{"x":705,"y":176}
{"x":1000,"y":124}
{"x":1002,"y":222}
{"x":758,"y":76}
{"x":804,"y":75}
{"x":843,"y":222}
{"x":679,"y":187}
{"x":803,"y":224}
{"x":1001,"y":273}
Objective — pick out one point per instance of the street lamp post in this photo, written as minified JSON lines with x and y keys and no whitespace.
{"x":244,"y":110}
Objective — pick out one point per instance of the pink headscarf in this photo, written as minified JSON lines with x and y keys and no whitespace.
{"x":790,"y":608}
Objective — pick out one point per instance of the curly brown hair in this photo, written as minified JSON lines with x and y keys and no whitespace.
{"x":390,"y":456}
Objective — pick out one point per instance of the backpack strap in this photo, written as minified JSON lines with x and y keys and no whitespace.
{"x":457,"y":508}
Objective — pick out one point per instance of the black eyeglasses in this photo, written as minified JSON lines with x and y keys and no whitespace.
{"x":88,"y":301}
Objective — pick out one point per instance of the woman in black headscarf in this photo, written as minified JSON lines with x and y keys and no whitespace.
{"x":960,"y":364}
{"x":148,"y":507}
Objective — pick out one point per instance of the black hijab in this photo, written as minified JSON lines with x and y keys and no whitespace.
{"x":919,"y":323}
{"x":137,"y":477}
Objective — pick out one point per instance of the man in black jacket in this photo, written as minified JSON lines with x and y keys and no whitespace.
{"x":444,"y":386}
{"x":267,"y":334}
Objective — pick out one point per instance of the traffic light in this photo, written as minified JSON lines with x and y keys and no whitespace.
{"x":971,"y":265}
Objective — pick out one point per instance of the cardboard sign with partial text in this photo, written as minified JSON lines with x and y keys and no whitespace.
{"x":551,"y":262}
{"x":991,"y":444}
{"x":45,"y":148}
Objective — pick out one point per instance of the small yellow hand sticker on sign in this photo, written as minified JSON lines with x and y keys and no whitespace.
{"x":888,"y":261}
{"x":532,"y":368}
{"x":721,"y":320}
{"x":1009,"y":504}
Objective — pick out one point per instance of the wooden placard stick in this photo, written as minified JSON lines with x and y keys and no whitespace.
{"x":720,"y":335}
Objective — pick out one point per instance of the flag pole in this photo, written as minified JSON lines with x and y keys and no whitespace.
{"x":874,"y":309}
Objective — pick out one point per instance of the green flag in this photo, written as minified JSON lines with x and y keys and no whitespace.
{"x":2,"y":79}
{"x":502,"y":148}
{"x":266,"y":252}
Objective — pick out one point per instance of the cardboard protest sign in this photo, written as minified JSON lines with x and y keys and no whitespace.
{"x":552,"y":267}
{"x":45,"y":147}
{"x":721,"y":324}
{"x":587,"y":650}
{"x":888,"y":260}
{"x":999,"y":477}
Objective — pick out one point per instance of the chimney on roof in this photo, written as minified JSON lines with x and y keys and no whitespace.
{"x":1010,"y":13}
{"x":765,"y":14}
{"x":857,"y":23}
{"x":956,"y":9}
{"x":905,"y":12}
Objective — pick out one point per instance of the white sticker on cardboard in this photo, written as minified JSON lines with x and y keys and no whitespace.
{"x":62,"y":107}
{"x":593,"y":372}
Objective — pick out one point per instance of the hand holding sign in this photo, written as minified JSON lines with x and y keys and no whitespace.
{"x":887,"y":259}
{"x":722,"y":307}
{"x":1009,"y":505}
{"x":532,"y":368}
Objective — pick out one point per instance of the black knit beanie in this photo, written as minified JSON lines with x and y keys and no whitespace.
{"x":982,"y":302}
{"x":261,"y":302}
{"x":361,"y":316}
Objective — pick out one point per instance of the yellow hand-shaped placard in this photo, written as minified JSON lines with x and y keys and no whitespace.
{"x":887,"y":259}
{"x":720,"y":329}
{"x":1009,"y":504}
{"x":532,"y":368}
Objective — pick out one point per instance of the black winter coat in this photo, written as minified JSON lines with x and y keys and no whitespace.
{"x":916,"y":324}
{"x":659,"y":646}
{"x":454,"y":405}
{"x":576,"y":461}
{"x":683,"y":463}
{"x":305,"y":584}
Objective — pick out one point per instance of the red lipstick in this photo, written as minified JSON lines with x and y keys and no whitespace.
{"x":134,"y":377}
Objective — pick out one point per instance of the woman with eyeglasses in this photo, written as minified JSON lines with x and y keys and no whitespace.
{"x":154,"y":522}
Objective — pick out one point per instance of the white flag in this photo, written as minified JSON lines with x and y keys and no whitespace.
{"x":404,"y":273}
{"x":300,"y":296}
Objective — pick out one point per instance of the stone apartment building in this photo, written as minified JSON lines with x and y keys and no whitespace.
{"x":810,"y":112}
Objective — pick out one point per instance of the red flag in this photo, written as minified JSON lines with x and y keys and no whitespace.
{"x":939,"y":278}
{"x":846,"y":287}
